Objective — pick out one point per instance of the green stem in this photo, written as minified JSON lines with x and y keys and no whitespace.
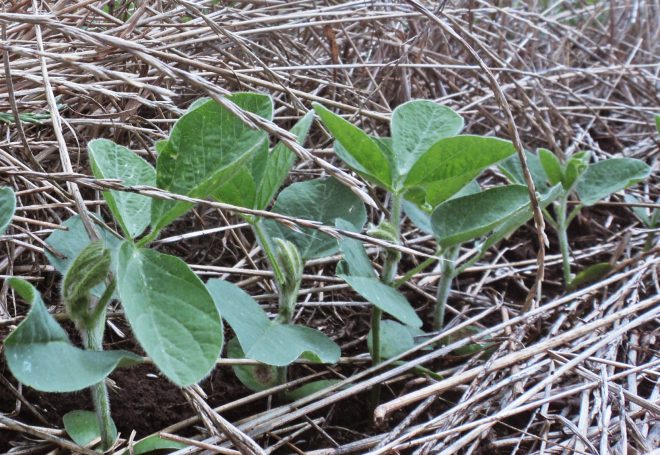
{"x":389,"y":273}
{"x":448,"y":271}
{"x":564,"y":247}
{"x":93,"y":341}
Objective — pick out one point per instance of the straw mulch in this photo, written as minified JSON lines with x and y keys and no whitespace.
{"x":576,"y":374}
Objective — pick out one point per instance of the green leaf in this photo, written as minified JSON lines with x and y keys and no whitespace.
{"x":513,"y":171}
{"x":254,"y":377}
{"x":83,"y":427}
{"x":241,"y":187}
{"x":207,"y":146}
{"x":7,"y":208}
{"x":590,"y":275}
{"x":395,"y":338}
{"x":452,"y":163}
{"x":264,"y":340}
{"x":153,"y":443}
{"x":520,"y":217}
{"x":324,"y":200}
{"x":551,"y":166}
{"x":416,"y":126}
{"x":422,"y":218}
{"x":384,"y":297}
{"x":466,"y":218}
{"x":112,"y":161}
{"x":640,"y":212}
{"x":609,"y":176}
{"x":69,"y":244}
{"x":280,"y":162}
{"x":354,"y":253}
{"x":657,"y":123}
{"x":577,"y":164}
{"x":171,"y":313}
{"x":359,"y":151}
{"x":40,"y":355}
{"x":310,"y":388}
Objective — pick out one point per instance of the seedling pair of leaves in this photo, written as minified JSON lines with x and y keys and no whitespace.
{"x":171,"y":312}
{"x":426,"y":163}
{"x":588,"y":183}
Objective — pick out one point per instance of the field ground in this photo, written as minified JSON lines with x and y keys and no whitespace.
{"x":577,"y":374}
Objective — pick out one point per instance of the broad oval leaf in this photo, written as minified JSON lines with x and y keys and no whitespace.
{"x":7,"y":207}
{"x":69,"y":243}
{"x":324,"y":200}
{"x":264,"y":340}
{"x":83,"y":427}
{"x":171,"y":313}
{"x":416,"y":126}
{"x":466,"y":218}
{"x":384,"y":297}
{"x":207,"y":146}
{"x":520,"y":217}
{"x":395,"y":338}
{"x":609,"y":176}
{"x":111,"y":161}
{"x":451,"y":163}
{"x":359,"y":151}
{"x":40,"y":355}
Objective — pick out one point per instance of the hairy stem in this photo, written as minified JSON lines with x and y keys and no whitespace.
{"x":267,"y":247}
{"x":93,"y":341}
{"x":389,"y":273}
{"x":448,"y":270}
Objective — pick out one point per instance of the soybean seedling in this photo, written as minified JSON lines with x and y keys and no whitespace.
{"x":425,"y":162}
{"x":277,"y":343}
{"x":169,"y":309}
{"x":487,"y":216}
{"x":588,"y":183}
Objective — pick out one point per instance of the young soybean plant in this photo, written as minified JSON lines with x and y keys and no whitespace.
{"x":170,"y":311}
{"x":472,"y":214}
{"x":277,"y":343}
{"x":589,"y":183}
{"x":425,"y":162}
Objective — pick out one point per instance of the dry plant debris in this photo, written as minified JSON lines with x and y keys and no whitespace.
{"x":578,"y":373}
